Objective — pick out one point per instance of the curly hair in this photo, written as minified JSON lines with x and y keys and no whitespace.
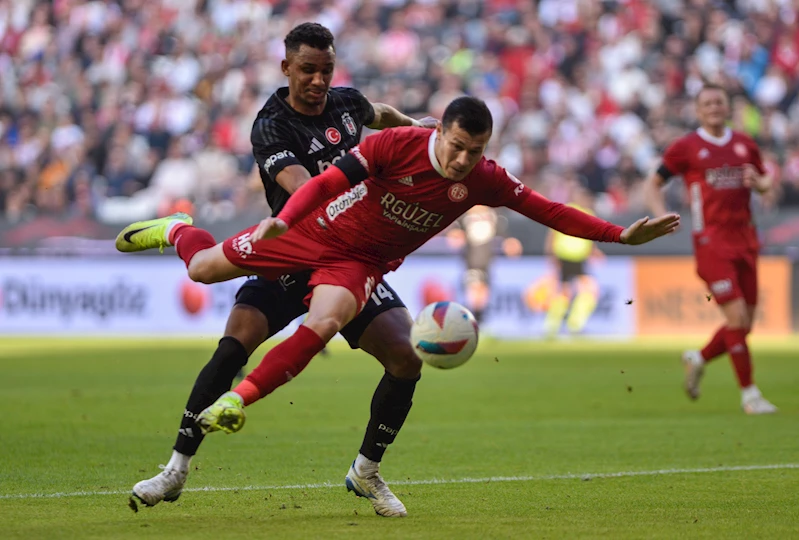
{"x":312,"y":34}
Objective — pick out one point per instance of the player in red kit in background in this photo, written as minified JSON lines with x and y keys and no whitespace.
{"x":357,"y":221}
{"x":720,"y":168}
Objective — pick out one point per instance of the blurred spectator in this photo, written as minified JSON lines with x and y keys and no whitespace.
{"x":123,"y":109}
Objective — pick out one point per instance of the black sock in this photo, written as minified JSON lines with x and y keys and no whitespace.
{"x":478,"y":315}
{"x":214,"y":380}
{"x":391,"y":404}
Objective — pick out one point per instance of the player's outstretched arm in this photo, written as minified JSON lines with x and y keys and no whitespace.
{"x":387,"y":116}
{"x":645,"y":230}
{"x":574,"y":222}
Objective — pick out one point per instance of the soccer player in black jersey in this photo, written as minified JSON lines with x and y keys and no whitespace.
{"x":300,"y":132}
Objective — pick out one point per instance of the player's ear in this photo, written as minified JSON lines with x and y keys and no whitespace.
{"x":284,"y":66}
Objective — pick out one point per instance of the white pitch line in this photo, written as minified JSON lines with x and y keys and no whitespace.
{"x":434,"y":481}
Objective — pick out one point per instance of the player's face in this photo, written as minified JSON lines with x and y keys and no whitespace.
{"x":712,"y":108}
{"x":457,"y":151}
{"x":309,"y":71}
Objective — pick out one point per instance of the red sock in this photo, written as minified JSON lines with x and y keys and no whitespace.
{"x":280,"y":365}
{"x":716,"y":347}
{"x":188,"y":240}
{"x":735,"y":338}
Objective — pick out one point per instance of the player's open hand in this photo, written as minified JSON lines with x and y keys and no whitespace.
{"x":428,"y":122}
{"x":270,"y":227}
{"x":645,"y":230}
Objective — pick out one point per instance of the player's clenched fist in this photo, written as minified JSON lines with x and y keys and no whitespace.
{"x":754,"y":180}
{"x":645,"y":230}
{"x":270,"y":227}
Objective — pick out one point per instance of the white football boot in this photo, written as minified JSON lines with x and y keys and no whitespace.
{"x":753,"y":402}
{"x":371,"y":485}
{"x":694,"y":366}
{"x":164,"y":486}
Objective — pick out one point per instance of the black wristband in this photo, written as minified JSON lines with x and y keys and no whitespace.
{"x":664,"y":172}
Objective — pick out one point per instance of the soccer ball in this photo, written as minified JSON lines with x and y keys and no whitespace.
{"x":444,"y":335}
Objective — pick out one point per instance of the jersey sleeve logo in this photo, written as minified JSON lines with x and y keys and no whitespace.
{"x":274,"y":158}
{"x":349,"y":124}
{"x":333,"y":135}
{"x":519,"y":186}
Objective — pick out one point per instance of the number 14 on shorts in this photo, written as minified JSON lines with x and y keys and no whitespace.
{"x":380,"y":294}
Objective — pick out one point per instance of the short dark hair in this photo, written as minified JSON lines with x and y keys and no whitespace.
{"x":470,"y":113}
{"x":312,"y":34}
{"x":712,"y":86}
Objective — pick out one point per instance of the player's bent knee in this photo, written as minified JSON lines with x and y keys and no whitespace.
{"x":325,"y":327}
{"x":200,"y":271}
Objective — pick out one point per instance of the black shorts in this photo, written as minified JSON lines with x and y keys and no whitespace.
{"x":570,"y":270}
{"x":282,"y":301}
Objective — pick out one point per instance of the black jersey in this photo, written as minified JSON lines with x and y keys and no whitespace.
{"x":281,"y":136}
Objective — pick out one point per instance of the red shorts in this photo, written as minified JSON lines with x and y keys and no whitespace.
{"x":294,"y":252}
{"x":728,"y":278}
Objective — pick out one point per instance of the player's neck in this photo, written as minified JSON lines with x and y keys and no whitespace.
{"x":716,"y":131}
{"x":303,"y":108}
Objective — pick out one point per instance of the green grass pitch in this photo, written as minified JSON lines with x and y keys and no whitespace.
{"x":527,"y":440}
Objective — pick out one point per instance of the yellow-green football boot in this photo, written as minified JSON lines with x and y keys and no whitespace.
{"x":149,"y":234}
{"x":225,"y":414}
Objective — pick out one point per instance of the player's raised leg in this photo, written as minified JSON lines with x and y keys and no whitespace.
{"x":387,"y":338}
{"x":205,"y":260}
{"x":150,"y":234}
{"x":332,"y":307}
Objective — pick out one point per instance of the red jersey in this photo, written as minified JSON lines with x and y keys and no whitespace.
{"x":712,"y":168}
{"x":406,"y":199}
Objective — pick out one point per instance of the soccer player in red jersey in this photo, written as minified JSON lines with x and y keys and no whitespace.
{"x":357,"y":221}
{"x":720,"y":168}
{"x":300,"y":131}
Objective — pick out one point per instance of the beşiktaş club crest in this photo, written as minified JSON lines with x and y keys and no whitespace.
{"x":349,"y":124}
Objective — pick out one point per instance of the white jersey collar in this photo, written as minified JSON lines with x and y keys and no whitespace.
{"x":431,"y":153}
{"x":718,"y":141}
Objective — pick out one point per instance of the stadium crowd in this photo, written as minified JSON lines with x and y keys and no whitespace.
{"x":127,"y":109}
